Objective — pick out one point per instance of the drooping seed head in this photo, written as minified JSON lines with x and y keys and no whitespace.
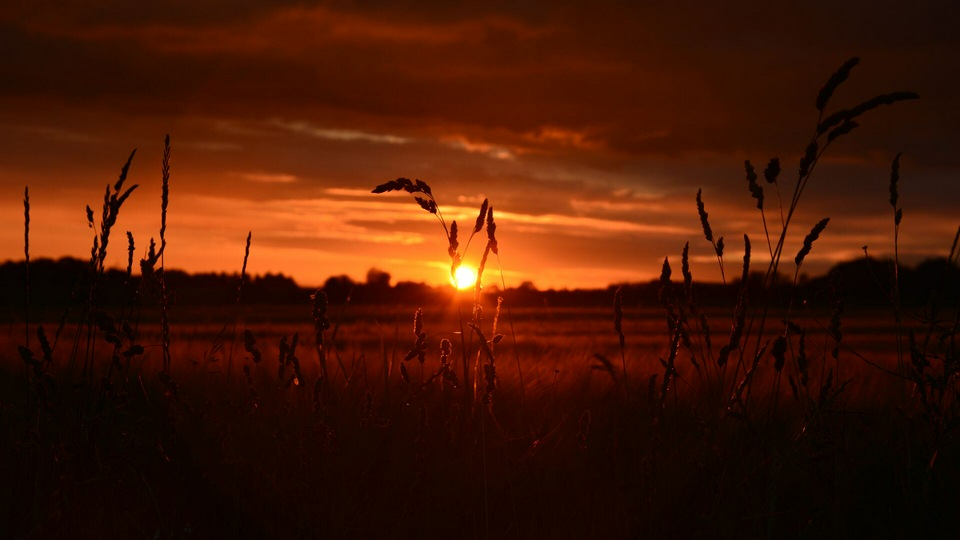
{"x":834,"y":81}
{"x":393,"y":185}
{"x":810,"y":239}
{"x":427,"y":204}
{"x":847,"y":115}
{"x":846,"y":127}
{"x":809,"y":156}
{"x":422,"y":186}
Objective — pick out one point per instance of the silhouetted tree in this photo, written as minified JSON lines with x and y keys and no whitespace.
{"x":378,"y":285}
{"x":338,"y":288}
{"x":378,"y":278}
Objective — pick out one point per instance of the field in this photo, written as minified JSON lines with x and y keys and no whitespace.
{"x":563,"y":455}
{"x":471,"y":417}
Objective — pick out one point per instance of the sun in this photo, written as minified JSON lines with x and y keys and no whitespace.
{"x":465,"y":277}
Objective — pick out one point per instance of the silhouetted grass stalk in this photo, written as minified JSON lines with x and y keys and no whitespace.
{"x":164,"y":301}
{"x":113,"y":200}
{"x":513,"y":335}
{"x":618,"y":327}
{"x":26,"y":258}
{"x":321,"y":324}
{"x":829,"y":128}
{"x":832,"y":127}
{"x":895,"y":279}
{"x":26,"y":301}
{"x":236,"y":306}
{"x":424,"y":197}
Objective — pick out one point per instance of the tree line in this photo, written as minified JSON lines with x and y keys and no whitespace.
{"x":864,"y":282}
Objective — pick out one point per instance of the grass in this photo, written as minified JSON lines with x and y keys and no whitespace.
{"x":792,"y":423}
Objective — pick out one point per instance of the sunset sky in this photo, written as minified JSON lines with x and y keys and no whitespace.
{"x":588,"y":125}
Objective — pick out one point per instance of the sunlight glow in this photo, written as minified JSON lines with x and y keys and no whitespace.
{"x":465,"y":277}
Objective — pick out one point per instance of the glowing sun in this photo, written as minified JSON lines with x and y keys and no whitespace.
{"x":465,"y":277}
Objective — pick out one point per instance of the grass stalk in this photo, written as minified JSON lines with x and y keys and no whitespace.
{"x":618,"y":327}
{"x":26,"y":258}
{"x":236,"y":306}
{"x":895,"y":283}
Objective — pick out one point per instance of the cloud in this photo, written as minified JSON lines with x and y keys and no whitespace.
{"x":605,"y":206}
{"x":293,"y":30}
{"x":59,"y":134}
{"x":347,"y":192}
{"x":212,"y":146}
{"x":268,"y":178}
{"x":553,"y":135}
{"x":588,"y":226}
{"x":345,"y":135}
{"x":477,"y":147}
{"x":316,"y":219}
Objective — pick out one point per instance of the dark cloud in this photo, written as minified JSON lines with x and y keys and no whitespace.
{"x":686,"y":77}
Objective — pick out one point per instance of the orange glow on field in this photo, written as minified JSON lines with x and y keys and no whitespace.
{"x":465,"y":277}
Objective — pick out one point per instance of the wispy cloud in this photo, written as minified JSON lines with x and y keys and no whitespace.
{"x":588,"y":226}
{"x":606,"y":206}
{"x":268,"y":178}
{"x":461,"y":142}
{"x":570,"y":225}
{"x":347,"y":192}
{"x":400,"y":223}
{"x":237,"y":128}
{"x":309,"y":219}
{"x":558,"y":136}
{"x":334,"y":134}
{"x":59,"y":134}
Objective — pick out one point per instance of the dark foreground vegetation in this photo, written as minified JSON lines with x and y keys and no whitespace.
{"x":758,"y":419}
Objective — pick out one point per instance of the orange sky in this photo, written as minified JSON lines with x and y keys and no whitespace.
{"x":589,"y":126}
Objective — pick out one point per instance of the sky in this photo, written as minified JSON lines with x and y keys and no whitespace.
{"x":589,"y":126}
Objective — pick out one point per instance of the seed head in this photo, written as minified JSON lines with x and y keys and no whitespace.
{"x":772,"y":171}
{"x":810,"y":239}
{"x":707,"y":231}
{"x":834,"y":81}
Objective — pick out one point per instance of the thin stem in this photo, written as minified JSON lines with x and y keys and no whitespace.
{"x":897,"y":315}
{"x":26,"y":256}
{"x":467,"y":394}
{"x":513,"y":335}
